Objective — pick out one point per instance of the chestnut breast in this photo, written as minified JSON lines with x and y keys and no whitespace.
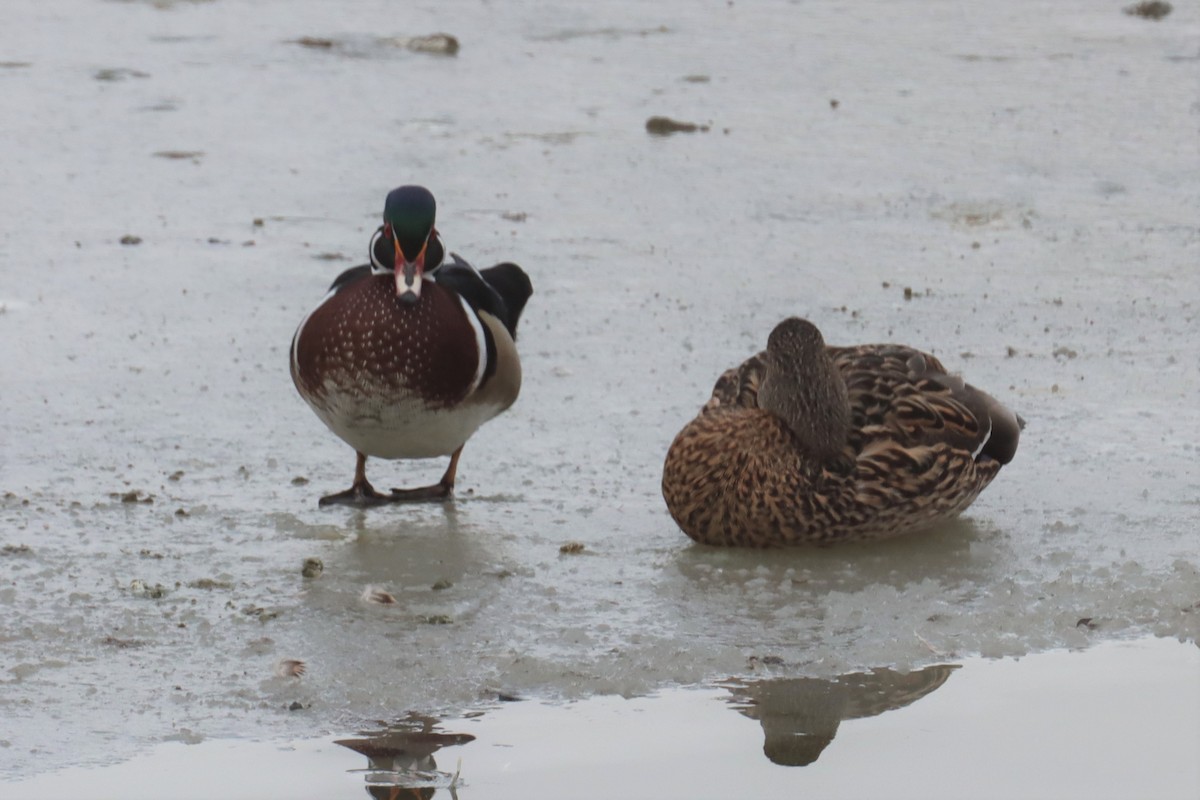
{"x":364,"y":336}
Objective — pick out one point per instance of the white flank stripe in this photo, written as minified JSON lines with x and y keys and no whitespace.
{"x":480,"y":342}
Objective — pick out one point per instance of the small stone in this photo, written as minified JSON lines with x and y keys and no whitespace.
{"x":317,"y":42}
{"x":118,"y":74}
{"x":140,"y":588}
{"x":209,"y":584}
{"x":263,"y":614}
{"x":180,"y":155}
{"x":442,"y":44}
{"x":299,"y":480}
{"x":441,"y":584}
{"x":121,"y":644}
{"x":572,"y":547}
{"x":312,"y":567}
{"x":665,"y":126}
{"x":1150,"y":9}
{"x":129,"y":238}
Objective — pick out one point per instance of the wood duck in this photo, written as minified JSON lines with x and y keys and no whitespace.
{"x":407,"y":356}
{"x":806,"y":443}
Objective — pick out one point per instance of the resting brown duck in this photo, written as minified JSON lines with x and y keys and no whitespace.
{"x":809,"y":444}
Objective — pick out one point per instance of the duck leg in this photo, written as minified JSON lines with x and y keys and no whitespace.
{"x":361,"y":493}
{"x":441,"y":490}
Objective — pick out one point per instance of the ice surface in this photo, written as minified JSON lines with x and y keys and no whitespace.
{"x":1028,"y":170}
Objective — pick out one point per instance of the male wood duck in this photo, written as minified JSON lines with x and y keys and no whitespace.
{"x":805,"y":443}
{"x":407,"y":356}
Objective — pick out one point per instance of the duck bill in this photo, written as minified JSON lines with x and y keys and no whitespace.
{"x":408,"y":274}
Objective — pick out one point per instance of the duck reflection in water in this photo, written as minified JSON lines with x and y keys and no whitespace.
{"x":400,"y":764}
{"x":800,"y":716}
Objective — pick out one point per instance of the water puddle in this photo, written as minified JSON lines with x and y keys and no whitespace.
{"x":1121,"y":719}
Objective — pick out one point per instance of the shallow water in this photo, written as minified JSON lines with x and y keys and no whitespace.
{"x":1028,"y":171}
{"x":1115,"y":721}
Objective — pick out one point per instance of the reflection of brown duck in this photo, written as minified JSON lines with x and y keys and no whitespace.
{"x":407,"y":754}
{"x":800,"y":716}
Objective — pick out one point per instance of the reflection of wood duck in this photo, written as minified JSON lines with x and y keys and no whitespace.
{"x":800,"y":716}
{"x":805,"y":443}
{"x":408,"y":755}
{"x":408,"y":356}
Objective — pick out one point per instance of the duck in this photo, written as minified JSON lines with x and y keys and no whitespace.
{"x":806,"y":443}
{"x":407,"y":356}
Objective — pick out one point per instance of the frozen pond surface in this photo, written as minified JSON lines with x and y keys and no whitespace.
{"x":1027,"y":170}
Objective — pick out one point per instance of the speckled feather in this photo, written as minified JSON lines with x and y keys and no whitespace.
{"x":738,"y":475}
{"x":369,"y":338}
{"x":400,"y":380}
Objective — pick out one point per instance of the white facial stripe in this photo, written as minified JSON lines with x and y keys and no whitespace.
{"x":376,"y":267}
{"x":480,"y":342}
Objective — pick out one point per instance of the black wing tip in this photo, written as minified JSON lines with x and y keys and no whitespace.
{"x":1005,"y":435}
{"x":514,"y":287}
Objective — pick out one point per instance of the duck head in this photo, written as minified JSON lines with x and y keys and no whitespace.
{"x":802,"y":386}
{"x":408,"y":232}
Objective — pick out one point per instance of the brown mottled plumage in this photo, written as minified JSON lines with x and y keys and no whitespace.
{"x":809,"y":444}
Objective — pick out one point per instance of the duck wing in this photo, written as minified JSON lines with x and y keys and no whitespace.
{"x":899,"y":396}
{"x":903,"y":396}
{"x":501,"y":291}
